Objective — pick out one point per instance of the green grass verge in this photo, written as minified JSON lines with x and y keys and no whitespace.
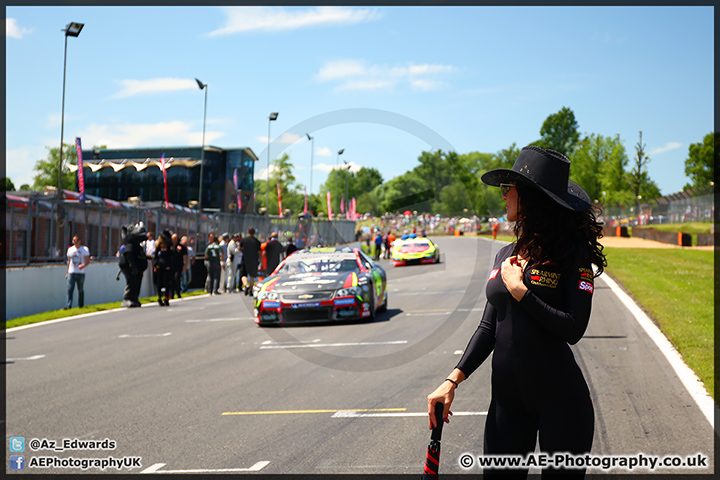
{"x":55,"y":314}
{"x":675,"y":286}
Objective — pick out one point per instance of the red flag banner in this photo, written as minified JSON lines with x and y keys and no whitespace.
{"x":162,"y":167}
{"x":280,"y":200}
{"x":237,"y":192}
{"x":305,"y":210}
{"x":329,"y":205}
{"x":81,"y":175}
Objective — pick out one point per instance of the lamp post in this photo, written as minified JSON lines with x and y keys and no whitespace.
{"x":312,"y":153}
{"x":203,"y":86}
{"x":273,"y":116}
{"x":337,"y":172}
{"x":72,"y":29}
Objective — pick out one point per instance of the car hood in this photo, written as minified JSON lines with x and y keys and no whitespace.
{"x":302,"y":282}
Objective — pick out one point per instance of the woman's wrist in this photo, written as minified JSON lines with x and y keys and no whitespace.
{"x":453,"y":382}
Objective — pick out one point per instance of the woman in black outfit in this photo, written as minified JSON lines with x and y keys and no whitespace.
{"x":163,"y":267}
{"x":539,"y":296}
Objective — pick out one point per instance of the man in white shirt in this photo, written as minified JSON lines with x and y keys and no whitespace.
{"x":224,"y":240}
{"x":78,"y":258}
{"x":233,"y":261}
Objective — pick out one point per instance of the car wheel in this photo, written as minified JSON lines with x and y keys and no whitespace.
{"x":383,"y":307}
{"x":372,"y":307}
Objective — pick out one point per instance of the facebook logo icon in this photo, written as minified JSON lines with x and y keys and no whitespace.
{"x":17,"y":462}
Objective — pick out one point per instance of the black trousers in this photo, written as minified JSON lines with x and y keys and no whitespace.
{"x":132,"y":287}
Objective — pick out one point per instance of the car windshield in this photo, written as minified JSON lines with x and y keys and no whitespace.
{"x":321,"y":264}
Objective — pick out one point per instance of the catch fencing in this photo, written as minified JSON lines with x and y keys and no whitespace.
{"x":38,"y":229}
{"x":683,"y":207}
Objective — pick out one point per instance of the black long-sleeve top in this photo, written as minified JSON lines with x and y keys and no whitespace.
{"x":530,"y":338}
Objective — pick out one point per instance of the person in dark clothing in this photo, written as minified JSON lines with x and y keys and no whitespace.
{"x":162,"y":267}
{"x":251,"y":258}
{"x":132,"y":262}
{"x":274,"y":251}
{"x":291,"y":247}
{"x":539,"y":297}
{"x":216,"y":262}
{"x":180,"y":260}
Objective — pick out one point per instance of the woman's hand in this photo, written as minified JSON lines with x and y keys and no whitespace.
{"x":445,"y":393}
{"x":512,"y":276}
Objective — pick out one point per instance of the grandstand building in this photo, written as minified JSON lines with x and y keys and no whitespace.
{"x":136,"y":173}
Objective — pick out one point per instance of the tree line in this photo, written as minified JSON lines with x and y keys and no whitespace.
{"x":448,"y":183}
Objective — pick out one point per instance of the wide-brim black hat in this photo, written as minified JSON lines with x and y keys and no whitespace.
{"x":546,"y":170}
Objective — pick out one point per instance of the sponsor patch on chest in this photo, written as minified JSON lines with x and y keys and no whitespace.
{"x":494,"y":273}
{"x":544,"y":278}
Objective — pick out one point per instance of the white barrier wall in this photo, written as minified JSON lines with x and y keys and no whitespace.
{"x":38,"y":289}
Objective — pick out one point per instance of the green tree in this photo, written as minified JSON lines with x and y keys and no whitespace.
{"x":699,"y":165}
{"x":641,"y":186}
{"x":505,"y":158}
{"x":25,"y":187}
{"x":47,"y":169}
{"x":7,"y":184}
{"x":560,"y":132}
{"x":613,"y":177}
{"x":588,"y":161}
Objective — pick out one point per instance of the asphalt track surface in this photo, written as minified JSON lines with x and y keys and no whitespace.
{"x":198,"y":387}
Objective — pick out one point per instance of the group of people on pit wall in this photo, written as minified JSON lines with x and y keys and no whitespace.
{"x":234,"y":262}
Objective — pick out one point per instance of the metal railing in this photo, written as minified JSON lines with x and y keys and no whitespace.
{"x":39,"y":230}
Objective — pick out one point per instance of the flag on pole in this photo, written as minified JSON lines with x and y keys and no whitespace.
{"x":162,"y":167}
{"x":237,"y":192}
{"x":81,"y":175}
{"x":329,"y":205}
{"x":353,"y":209}
{"x":305,"y":210}
{"x":280,"y":200}
{"x":342,"y":204}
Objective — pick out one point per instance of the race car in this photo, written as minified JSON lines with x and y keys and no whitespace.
{"x":322,"y":284}
{"x":414,"y":251}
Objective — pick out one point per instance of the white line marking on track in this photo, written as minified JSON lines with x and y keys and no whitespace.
{"x":270,"y":342}
{"x":354,"y":414}
{"x":34,"y":357}
{"x":255,"y":468}
{"x":166,"y":334}
{"x":458,"y":352}
{"x":689,"y":379}
{"x":317,"y":345}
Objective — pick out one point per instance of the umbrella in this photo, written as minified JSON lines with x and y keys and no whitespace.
{"x":432,"y":461}
{"x":407,"y":212}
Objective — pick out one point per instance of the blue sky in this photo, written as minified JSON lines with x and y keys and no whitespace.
{"x":382,"y":83}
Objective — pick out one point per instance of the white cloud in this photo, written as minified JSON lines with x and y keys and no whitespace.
{"x":327,"y":167}
{"x":130,"y":135}
{"x":357,"y":75}
{"x":323,"y":152}
{"x":19,"y":163}
{"x":154,"y":85}
{"x":668,"y":146}
{"x":273,"y":19}
{"x":13,"y":30}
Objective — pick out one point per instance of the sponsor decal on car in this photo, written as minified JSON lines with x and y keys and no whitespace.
{"x":268,"y":304}
{"x":345,"y":301}
{"x":306,"y":305}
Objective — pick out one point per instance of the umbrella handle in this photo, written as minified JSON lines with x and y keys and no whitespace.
{"x":437,"y":431}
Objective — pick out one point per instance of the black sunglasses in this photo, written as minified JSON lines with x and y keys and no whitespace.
{"x":505,"y":188}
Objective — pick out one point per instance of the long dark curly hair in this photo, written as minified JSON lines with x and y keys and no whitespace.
{"x":548,"y":234}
